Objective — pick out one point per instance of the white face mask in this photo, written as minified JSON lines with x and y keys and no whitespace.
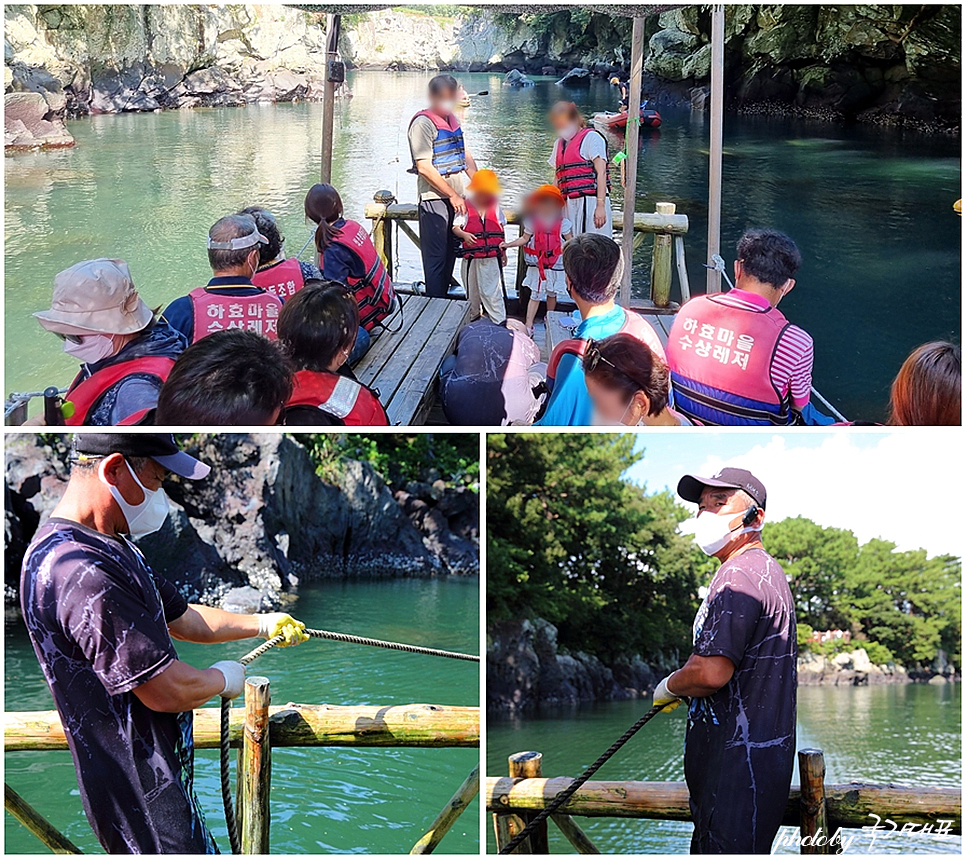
{"x":712,"y":532}
{"x":447,"y":107}
{"x":91,"y":349}
{"x":148,"y":516}
{"x":569,"y":132}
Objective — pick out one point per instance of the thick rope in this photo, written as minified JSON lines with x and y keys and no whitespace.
{"x":576,"y":784}
{"x":225,"y":745}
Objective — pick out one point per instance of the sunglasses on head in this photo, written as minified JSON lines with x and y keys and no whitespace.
{"x":593,"y":358}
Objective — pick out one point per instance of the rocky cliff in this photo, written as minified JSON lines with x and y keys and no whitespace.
{"x":263,"y":520}
{"x":525,"y":670}
{"x":868,"y":62}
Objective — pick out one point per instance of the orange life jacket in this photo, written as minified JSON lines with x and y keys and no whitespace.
{"x":345,"y":398}
{"x":374,"y":290}
{"x":86,"y":394}
{"x":488,"y":231}
{"x":576,"y":176}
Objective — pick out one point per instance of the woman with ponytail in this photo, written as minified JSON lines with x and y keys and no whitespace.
{"x":347,"y":255}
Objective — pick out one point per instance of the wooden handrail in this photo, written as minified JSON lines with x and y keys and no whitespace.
{"x":847,"y":805}
{"x":402,"y":725}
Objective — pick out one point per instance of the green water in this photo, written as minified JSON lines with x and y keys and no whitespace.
{"x":905,"y":734}
{"x":870,"y":207}
{"x":324,"y":800}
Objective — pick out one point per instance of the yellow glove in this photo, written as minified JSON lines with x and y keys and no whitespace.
{"x":663,"y":695}
{"x":280,"y":623}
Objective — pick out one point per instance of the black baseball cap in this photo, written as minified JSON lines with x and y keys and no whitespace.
{"x":690,"y":487}
{"x":161,"y":447}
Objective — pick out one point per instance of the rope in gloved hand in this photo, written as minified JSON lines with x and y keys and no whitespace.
{"x":562,"y":797}
{"x":225,"y":745}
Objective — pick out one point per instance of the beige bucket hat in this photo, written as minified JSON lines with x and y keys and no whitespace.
{"x":95,"y":296}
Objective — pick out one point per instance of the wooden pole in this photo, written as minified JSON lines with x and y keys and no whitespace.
{"x":36,"y":823}
{"x":447,"y":817}
{"x":381,"y":232}
{"x":573,"y":833}
{"x":256,"y":768}
{"x":403,"y":725}
{"x":682,"y":269}
{"x":333,"y":24}
{"x":661,"y":261}
{"x":717,"y":126}
{"x":814,"y":826}
{"x":529,"y":765}
{"x":631,"y":147}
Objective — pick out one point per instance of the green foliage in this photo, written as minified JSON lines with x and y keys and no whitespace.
{"x":399,"y":457}
{"x":570,"y":540}
{"x":804,"y":635}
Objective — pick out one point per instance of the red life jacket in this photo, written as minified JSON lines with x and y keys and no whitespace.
{"x":216,"y":311}
{"x":545,"y":246}
{"x":374,"y":290}
{"x":347,"y":399}
{"x":488,"y":231}
{"x":283,"y":279}
{"x":576,"y":176}
{"x":86,"y":394}
{"x":720,"y":358}
{"x":634,"y":324}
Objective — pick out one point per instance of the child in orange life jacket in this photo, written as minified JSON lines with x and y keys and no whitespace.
{"x":481,"y":231}
{"x":545,"y":229}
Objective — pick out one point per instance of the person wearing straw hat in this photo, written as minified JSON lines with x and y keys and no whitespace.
{"x":125,"y":352}
{"x":742,"y":675}
{"x":230,"y":299}
{"x":102,"y":622}
{"x":482,"y":231}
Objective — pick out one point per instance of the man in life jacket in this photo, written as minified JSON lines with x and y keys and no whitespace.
{"x":734,"y":358}
{"x":228,"y":379}
{"x":442,"y":165}
{"x":276,"y":274}
{"x":593,"y":266}
{"x":481,"y":230}
{"x":317,"y":329}
{"x":125,"y":353}
{"x":230,"y":299}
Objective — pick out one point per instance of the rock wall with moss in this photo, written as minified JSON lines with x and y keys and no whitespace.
{"x":886,"y":63}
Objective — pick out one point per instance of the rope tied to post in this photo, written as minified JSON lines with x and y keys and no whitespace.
{"x":562,"y":797}
{"x":248,"y":658}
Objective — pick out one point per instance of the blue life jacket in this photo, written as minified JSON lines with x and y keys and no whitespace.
{"x":449,"y":151}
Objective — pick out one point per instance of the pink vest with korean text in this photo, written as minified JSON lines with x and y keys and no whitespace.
{"x":720,"y":358}
{"x":283,"y":279}
{"x":215,"y":311}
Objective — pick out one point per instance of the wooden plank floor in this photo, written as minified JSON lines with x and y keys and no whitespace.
{"x":404,"y":366}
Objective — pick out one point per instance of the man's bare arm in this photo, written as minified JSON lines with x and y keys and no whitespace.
{"x":180,"y":687}
{"x":701,"y":676}
{"x":205,"y":625}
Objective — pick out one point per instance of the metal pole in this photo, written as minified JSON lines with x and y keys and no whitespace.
{"x":717,"y":121}
{"x":631,"y":146}
{"x":333,"y":24}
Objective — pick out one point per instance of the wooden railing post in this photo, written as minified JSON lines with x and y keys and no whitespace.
{"x":381,"y":229}
{"x":661,"y":261}
{"x":530,"y":765}
{"x":814,"y":829}
{"x":256,"y":772}
{"x":447,"y":817}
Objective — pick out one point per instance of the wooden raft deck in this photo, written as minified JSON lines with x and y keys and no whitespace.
{"x":404,"y":366}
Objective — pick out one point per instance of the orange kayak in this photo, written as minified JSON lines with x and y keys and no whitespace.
{"x":618,"y":121}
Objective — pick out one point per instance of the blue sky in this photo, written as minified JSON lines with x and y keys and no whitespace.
{"x":896,"y":484}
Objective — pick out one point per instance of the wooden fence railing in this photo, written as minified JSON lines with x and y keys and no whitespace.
{"x":258,"y":727}
{"x":664,"y":224}
{"x":814,"y":807}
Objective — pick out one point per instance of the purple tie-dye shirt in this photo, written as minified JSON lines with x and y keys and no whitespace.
{"x":97,"y":617}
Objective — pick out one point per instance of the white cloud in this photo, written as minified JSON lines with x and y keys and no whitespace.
{"x":904,"y":487}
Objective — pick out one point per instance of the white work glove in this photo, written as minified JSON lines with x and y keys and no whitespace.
{"x":663,"y":695}
{"x":279,"y":623}
{"x":234,"y":674}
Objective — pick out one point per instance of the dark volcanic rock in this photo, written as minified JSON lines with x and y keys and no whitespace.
{"x":576,"y":77}
{"x":262,"y":521}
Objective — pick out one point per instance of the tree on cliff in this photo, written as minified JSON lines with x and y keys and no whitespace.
{"x":569,"y":539}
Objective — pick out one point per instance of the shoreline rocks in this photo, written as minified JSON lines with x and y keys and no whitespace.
{"x":525,"y":671}
{"x":263,"y":521}
{"x":31,"y":122}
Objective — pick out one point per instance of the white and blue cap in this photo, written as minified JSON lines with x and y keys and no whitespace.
{"x":238,"y":243}
{"x":161,"y":447}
